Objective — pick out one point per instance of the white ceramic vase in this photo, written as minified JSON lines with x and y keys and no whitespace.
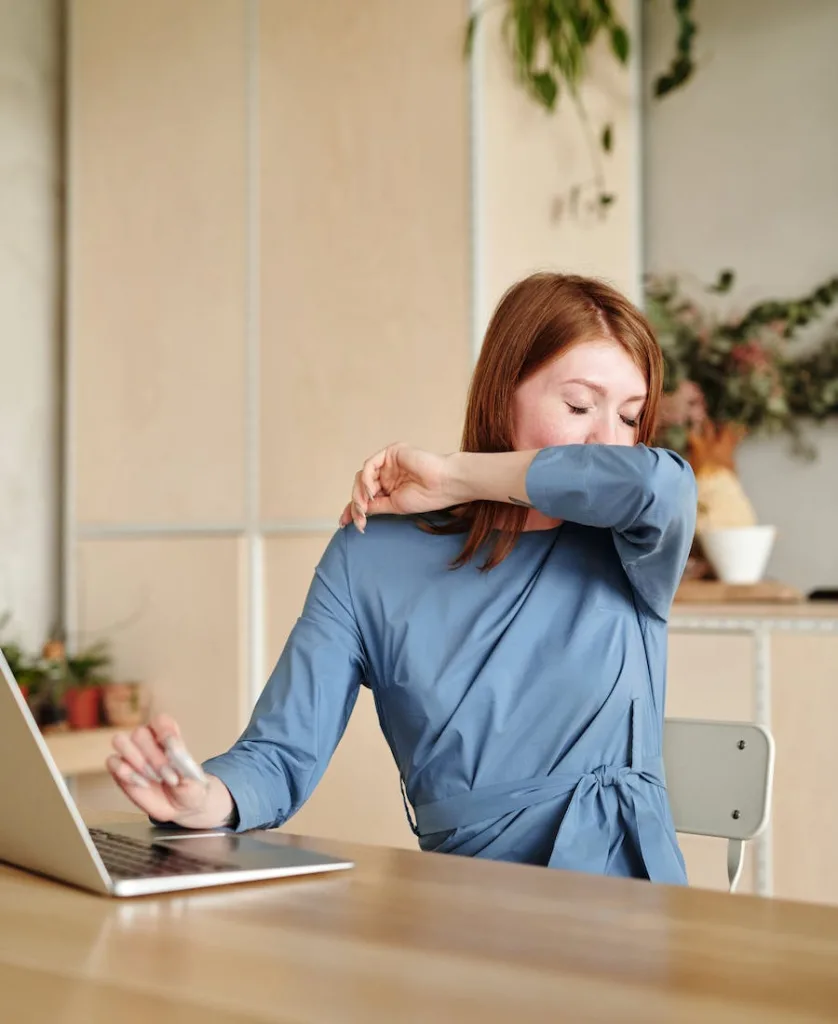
{"x":739,"y":554}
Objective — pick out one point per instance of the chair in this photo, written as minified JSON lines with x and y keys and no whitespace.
{"x":719,"y":777}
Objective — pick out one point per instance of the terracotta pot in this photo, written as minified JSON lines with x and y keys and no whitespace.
{"x":84,"y":706}
{"x":126,"y":704}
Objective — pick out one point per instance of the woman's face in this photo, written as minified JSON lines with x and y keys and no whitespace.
{"x":591,"y":394}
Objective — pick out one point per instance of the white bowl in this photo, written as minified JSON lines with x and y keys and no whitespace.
{"x":739,"y":554}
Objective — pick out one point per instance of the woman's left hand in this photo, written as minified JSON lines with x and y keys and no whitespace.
{"x":402,"y":480}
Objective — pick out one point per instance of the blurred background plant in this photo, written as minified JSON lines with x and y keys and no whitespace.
{"x":747,"y":371}
{"x":549,"y":44}
{"x":63,"y":690}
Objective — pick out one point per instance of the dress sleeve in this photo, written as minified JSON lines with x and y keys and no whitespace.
{"x":645,"y":496}
{"x":301,"y":714}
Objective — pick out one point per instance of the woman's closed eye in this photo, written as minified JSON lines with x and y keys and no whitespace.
{"x":581,"y":410}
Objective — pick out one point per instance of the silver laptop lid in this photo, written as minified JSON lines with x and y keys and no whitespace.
{"x":40,"y":826}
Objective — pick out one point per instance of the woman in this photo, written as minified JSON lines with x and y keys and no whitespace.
{"x":507,"y":606}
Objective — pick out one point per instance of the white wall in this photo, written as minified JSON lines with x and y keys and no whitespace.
{"x":29,"y":307}
{"x":741,"y":171}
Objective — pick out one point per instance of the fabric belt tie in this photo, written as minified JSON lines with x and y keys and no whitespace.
{"x":583,"y":839}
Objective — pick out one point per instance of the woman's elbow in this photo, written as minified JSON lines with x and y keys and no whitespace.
{"x":673,"y":489}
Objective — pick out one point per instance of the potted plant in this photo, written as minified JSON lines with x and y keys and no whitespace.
{"x":26,"y":671}
{"x":70,"y":685}
{"x":86,"y":676}
{"x":47,"y":679}
{"x":76,"y":680}
{"x":126,"y":704}
{"x":17,"y":661}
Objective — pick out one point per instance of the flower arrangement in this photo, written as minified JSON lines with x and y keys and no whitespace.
{"x":742,"y":373}
{"x":729,"y":374}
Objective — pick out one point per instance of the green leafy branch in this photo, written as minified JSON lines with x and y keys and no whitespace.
{"x":682,"y":65}
{"x":746,"y":370}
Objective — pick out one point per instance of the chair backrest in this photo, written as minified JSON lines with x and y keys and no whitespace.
{"x":719,"y":776}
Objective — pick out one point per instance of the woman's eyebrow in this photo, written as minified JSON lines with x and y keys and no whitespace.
{"x":600,"y":390}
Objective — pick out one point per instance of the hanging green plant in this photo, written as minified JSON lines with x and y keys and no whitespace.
{"x":548,"y":42}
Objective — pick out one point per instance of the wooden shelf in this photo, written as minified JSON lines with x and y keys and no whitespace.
{"x":82,"y":752}
{"x":716,"y":592}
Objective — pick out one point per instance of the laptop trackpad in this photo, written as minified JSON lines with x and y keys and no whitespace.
{"x":242,"y":850}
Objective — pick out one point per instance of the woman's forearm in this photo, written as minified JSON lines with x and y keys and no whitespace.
{"x":492,"y":476}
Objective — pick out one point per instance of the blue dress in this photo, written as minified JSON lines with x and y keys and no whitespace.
{"x":524,"y":705}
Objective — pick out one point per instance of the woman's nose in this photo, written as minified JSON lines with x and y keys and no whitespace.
{"x":604,"y":431}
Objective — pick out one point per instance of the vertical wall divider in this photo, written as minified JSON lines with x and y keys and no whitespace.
{"x":255,"y":589}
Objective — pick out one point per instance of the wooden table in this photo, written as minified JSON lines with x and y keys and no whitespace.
{"x":408,"y":937}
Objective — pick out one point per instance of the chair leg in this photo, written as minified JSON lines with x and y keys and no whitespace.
{"x":735,"y":861}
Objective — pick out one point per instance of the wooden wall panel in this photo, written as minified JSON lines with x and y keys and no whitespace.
{"x":157,"y":260}
{"x":365,"y":234}
{"x":172,"y":610}
{"x":710,"y":676}
{"x":804,"y":713}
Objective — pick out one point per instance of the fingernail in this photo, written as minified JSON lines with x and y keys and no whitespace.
{"x":151,"y":774}
{"x":135,"y":779}
{"x":171,"y":778}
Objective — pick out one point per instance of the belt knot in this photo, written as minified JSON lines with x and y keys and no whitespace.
{"x":608,"y":775}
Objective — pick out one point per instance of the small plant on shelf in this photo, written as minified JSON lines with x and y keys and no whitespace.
{"x":64,"y":690}
{"x":18,"y":661}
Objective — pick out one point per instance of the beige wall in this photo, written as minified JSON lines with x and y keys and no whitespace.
{"x":272,"y":273}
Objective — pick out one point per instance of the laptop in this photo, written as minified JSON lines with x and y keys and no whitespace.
{"x":42,"y":831}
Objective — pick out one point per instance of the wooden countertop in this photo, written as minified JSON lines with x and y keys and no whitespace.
{"x":410,"y":937}
{"x":815,"y":610}
{"x":81,"y":752}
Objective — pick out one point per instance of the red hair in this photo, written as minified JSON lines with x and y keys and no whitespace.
{"x":537,"y":320}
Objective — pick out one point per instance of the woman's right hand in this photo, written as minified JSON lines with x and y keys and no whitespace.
{"x":153,"y":768}
{"x":401,"y":480}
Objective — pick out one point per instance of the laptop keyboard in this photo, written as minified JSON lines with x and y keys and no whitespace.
{"x":133,"y":858}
